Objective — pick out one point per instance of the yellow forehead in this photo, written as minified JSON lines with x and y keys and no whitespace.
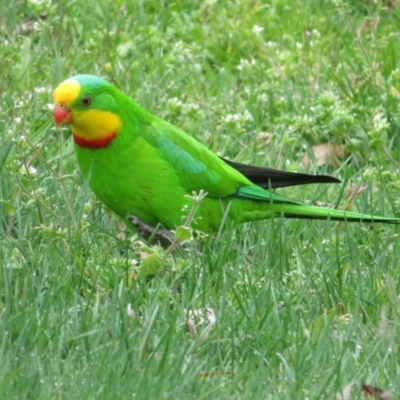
{"x":67,"y":91}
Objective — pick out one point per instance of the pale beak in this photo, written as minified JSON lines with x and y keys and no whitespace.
{"x":62,"y":114}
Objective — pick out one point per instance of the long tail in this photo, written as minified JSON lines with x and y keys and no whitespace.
{"x":313,"y":212}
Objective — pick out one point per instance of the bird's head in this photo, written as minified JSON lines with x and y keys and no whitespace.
{"x":89,"y":104}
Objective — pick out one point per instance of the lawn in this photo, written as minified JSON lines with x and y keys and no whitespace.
{"x":303,"y":308}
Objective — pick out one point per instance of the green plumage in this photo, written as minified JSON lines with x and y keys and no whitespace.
{"x":151,"y":165}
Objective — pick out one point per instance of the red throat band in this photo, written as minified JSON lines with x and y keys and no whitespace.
{"x":94,"y":143}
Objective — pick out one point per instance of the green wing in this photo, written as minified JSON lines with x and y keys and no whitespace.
{"x":199,"y":168}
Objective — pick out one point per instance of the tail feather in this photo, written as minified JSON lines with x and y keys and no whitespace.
{"x":269,"y":178}
{"x":313,"y":212}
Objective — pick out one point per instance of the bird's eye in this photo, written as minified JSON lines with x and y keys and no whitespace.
{"x":86,"y":101}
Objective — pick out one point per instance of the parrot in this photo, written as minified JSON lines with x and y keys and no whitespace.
{"x":140,"y":165}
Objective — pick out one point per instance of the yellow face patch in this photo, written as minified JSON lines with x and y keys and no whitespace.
{"x":95,"y":124}
{"x":66,"y":92}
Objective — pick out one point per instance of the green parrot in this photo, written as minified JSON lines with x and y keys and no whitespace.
{"x":140,"y":165}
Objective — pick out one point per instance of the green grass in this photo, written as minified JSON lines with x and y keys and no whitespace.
{"x":303,"y":308}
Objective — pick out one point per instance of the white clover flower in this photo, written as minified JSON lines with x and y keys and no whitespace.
{"x":316,"y":33}
{"x":32,"y":170}
{"x":41,"y":3}
{"x":175,"y":102}
{"x":368,"y":173}
{"x":271,"y":45}
{"x":257,"y":30}
{"x":395,"y":74}
{"x":232,"y":118}
{"x":87,"y":206}
{"x":40,"y":90}
{"x":263,"y":97}
{"x":246,"y":116}
{"x":244,"y":64}
{"x":192,"y":107}
{"x":130,"y":311}
{"x":380,"y":122}
{"x":305,"y":118}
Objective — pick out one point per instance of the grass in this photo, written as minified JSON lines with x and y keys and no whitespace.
{"x":303,"y":308}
